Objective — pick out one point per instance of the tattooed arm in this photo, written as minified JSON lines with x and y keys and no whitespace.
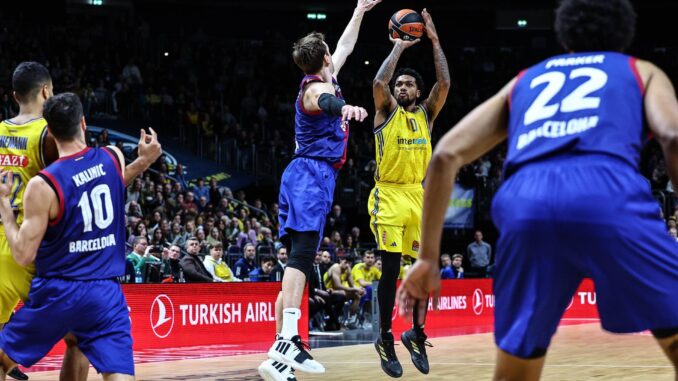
{"x":384,"y":102}
{"x":436,"y":99}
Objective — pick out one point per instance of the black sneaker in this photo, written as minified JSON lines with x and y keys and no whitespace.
{"x":416,"y":345}
{"x":17,"y":374}
{"x":387,"y":355}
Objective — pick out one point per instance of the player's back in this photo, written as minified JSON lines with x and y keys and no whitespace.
{"x":21,"y":152}
{"x":584,"y":105}
{"x":85,"y":241}
{"x":319,"y":135}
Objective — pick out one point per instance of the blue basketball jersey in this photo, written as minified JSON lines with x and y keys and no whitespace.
{"x":86,"y":240}
{"x":573,"y":105}
{"x":317,"y":134}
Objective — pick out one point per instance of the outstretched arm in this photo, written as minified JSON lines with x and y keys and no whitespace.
{"x":477,"y":133}
{"x":149,"y":151}
{"x":350,"y":36}
{"x":384,"y":102}
{"x":39,"y":199}
{"x":436,"y":99}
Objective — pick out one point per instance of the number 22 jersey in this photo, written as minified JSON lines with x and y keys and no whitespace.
{"x":573,"y":105}
{"x":86,"y":240}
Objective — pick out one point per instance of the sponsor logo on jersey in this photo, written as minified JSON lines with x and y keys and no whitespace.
{"x":394,"y":244}
{"x":412,"y":142}
{"x":13,"y":161}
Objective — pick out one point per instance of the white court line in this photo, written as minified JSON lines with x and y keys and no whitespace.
{"x":484,"y":364}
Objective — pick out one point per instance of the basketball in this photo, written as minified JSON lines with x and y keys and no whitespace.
{"x":406,"y":24}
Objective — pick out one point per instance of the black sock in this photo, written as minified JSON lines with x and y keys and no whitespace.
{"x":387,"y":290}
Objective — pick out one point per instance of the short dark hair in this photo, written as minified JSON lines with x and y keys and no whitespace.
{"x":348,"y":258}
{"x":63,"y":113}
{"x":308,"y":52}
{"x":28,"y":78}
{"x":412,"y":73}
{"x":595,"y":25}
{"x":267,"y":258}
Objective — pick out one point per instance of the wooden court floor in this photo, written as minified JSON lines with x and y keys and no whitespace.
{"x":579,"y":352}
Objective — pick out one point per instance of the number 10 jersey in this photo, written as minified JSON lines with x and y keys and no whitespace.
{"x":573,"y":105}
{"x":86,"y":241}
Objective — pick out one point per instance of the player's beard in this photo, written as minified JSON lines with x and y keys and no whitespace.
{"x":406,"y":102}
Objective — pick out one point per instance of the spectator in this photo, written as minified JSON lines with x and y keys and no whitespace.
{"x":451,"y":267}
{"x":139,"y":245}
{"x":245,"y":265}
{"x":263,"y":272}
{"x":191,"y":264}
{"x":321,"y":299}
{"x":339,"y":279}
{"x":479,"y":254}
{"x":674,"y":233}
{"x":138,"y":231}
{"x":201,"y":190}
{"x":364,"y":274}
{"x":215,"y":265}
{"x":214,"y":237}
{"x":175,"y":267}
{"x":214,"y":192}
{"x":336,"y":221}
{"x":180,"y":175}
{"x":279,"y":269}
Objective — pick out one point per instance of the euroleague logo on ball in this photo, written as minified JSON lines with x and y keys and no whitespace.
{"x":478,"y":301}
{"x":162,"y":317}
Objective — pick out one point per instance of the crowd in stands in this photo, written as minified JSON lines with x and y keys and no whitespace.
{"x":208,"y":90}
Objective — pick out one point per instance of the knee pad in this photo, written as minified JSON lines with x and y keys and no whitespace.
{"x":302,"y":253}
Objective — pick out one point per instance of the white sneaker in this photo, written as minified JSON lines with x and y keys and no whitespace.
{"x":293,"y":353}
{"x":271,"y":370}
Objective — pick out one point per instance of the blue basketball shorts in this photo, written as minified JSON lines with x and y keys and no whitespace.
{"x":306,"y":195}
{"x":94,"y":311}
{"x":564,"y":221}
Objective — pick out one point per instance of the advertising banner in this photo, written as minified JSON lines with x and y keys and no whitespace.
{"x":467,"y":306}
{"x":460,"y":209}
{"x":241,"y":315}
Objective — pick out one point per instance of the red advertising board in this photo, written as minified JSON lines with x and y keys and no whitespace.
{"x":241,"y":315}
{"x":467,"y":306}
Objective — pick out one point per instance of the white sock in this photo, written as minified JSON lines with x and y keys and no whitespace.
{"x":289,"y":326}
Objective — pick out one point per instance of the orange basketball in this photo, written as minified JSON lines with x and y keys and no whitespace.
{"x":406,"y":24}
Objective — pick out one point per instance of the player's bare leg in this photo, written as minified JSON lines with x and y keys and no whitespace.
{"x":75,"y":366}
{"x":512,"y":368}
{"x":670,"y":346}
{"x":6,"y":365}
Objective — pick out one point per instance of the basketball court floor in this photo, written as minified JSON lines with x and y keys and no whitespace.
{"x":578,"y":352}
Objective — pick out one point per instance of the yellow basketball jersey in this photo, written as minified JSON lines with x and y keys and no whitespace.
{"x":21,"y":152}
{"x":403,"y":147}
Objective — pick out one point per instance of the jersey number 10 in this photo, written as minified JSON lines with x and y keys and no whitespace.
{"x":100,"y":200}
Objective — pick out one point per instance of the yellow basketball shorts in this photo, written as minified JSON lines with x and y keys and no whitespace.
{"x":15,"y":281}
{"x":395,"y":217}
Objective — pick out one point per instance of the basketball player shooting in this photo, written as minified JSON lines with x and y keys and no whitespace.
{"x":573,"y":203}
{"x":307,"y":184}
{"x":402,"y":131}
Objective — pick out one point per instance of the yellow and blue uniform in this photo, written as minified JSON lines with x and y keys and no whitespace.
{"x":361,"y":272}
{"x":403,"y":151}
{"x":21,"y":152}
{"x":327,"y":279}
